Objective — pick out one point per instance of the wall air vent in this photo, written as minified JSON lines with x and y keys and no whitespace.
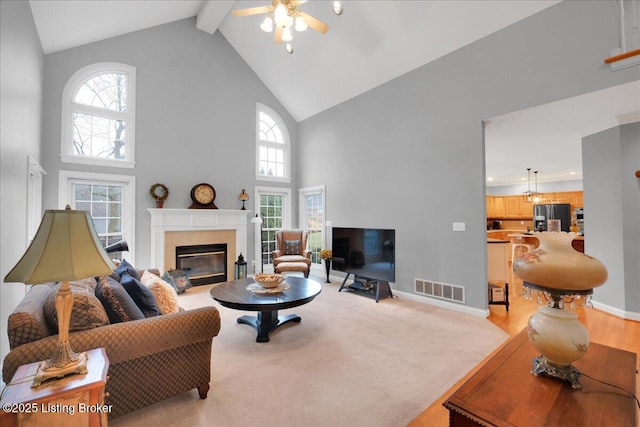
{"x":439,"y":290}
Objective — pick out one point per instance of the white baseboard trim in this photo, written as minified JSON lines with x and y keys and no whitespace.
{"x":444,"y":304}
{"x":630,"y":315}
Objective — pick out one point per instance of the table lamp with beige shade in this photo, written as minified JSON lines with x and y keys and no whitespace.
{"x":561,"y":279}
{"x":66,"y":247}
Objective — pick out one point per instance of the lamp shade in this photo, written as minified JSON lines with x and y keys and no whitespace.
{"x":65,"y":248}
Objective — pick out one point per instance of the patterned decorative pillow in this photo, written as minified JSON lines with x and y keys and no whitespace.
{"x":126,"y":268}
{"x":87,"y":311}
{"x":178,"y":279}
{"x":292,"y":247}
{"x":166,"y":296}
{"x":140,"y":294}
{"x":119,"y":306}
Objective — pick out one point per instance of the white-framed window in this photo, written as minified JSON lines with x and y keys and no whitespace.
{"x":312,"y":218}
{"x":272,"y":146}
{"x":274,"y":207}
{"x":98,"y":116}
{"x":110,"y":200}
{"x":34,"y":197}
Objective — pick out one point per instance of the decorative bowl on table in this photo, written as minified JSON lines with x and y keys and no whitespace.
{"x":268,"y":280}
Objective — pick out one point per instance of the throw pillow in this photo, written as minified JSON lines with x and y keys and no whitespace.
{"x":166,"y":296}
{"x":178,"y":279}
{"x":127,"y":268}
{"x":292,"y":247}
{"x":141,"y":295}
{"x":87,"y":311}
{"x":119,"y":306}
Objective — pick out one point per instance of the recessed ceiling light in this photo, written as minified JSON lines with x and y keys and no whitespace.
{"x":490,"y":179}
{"x":572,"y":173}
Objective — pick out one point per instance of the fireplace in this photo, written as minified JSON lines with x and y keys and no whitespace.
{"x":203,"y":264}
{"x":171,"y":228}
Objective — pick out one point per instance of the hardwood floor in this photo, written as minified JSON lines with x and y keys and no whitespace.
{"x":603,"y":328}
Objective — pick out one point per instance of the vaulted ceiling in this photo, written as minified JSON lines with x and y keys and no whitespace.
{"x":371,"y":43}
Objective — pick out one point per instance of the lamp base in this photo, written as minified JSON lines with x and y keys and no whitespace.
{"x":49,"y":369}
{"x":567,"y":373}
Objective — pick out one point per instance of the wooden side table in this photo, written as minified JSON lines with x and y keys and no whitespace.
{"x":504,"y":392}
{"x":75,"y":400}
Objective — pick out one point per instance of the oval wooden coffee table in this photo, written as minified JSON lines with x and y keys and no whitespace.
{"x":235,"y":295}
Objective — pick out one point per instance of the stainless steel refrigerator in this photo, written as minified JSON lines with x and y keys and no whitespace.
{"x":543,"y":213}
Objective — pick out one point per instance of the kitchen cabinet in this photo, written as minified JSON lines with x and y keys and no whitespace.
{"x":564,"y":197}
{"x":491,"y":206}
{"x":515,"y":207}
{"x":499,"y":208}
{"x":577,"y":199}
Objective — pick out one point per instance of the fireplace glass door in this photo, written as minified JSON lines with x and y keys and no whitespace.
{"x":203,"y":264}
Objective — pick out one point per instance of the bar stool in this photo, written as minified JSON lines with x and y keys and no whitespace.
{"x":520,"y":248}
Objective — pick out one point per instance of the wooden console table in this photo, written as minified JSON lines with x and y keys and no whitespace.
{"x":504,"y":392}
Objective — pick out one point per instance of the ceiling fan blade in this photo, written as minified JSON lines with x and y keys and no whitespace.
{"x":299,"y":2}
{"x":277,"y":34}
{"x":314,"y":23}
{"x":251,"y":11}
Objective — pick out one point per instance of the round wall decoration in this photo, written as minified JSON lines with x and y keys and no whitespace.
{"x":159,"y":192}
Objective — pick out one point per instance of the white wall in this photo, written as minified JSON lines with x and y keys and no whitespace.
{"x":21,"y":72}
{"x":195,"y":118}
{"x":543,"y":187}
{"x":612,"y":198}
{"x":409,"y":154}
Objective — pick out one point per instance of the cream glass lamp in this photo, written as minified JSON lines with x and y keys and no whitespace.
{"x":65,"y":248}
{"x":561,"y":278}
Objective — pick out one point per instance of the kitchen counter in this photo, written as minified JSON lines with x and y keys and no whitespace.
{"x":491,"y":240}
{"x":577,"y":243}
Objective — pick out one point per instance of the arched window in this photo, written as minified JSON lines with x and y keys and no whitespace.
{"x":272,"y":146}
{"x":98,"y":106}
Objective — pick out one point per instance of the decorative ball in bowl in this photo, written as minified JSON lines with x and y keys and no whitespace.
{"x":268,"y":280}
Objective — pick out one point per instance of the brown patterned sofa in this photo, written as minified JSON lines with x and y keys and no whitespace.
{"x":150,"y":359}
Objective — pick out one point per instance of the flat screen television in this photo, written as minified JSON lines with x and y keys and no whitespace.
{"x":366,"y":252}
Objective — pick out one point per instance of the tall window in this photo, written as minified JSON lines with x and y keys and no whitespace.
{"x":272,"y":146}
{"x":274,"y":208}
{"x":34,"y":198}
{"x":312,"y":217}
{"x":98,"y":116}
{"x":109,"y":199}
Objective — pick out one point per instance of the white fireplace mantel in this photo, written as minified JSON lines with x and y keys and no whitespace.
{"x":163,"y":220}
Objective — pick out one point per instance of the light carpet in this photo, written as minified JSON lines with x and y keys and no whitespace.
{"x":350,"y":362}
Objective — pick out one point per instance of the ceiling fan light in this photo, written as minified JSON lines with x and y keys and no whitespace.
{"x":267,"y":25}
{"x":286,"y":35}
{"x":300,"y":24}
{"x":280,"y":15}
{"x":288,"y":21}
{"x":288,"y":48}
{"x":337,"y":8}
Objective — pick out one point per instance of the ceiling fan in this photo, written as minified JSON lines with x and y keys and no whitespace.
{"x":282,"y":15}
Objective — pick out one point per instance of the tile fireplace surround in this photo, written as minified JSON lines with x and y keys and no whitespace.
{"x":183,"y":227}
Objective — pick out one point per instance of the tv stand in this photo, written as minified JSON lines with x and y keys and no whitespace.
{"x":366,"y":286}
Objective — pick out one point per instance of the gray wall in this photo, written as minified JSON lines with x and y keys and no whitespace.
{"x":409,"y":154}
{"x":543,"y":187}
{"x":630,"y":163}
{"x":612,"y":198}
{"x":21,"y":71}
{"x":195,"y":117}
